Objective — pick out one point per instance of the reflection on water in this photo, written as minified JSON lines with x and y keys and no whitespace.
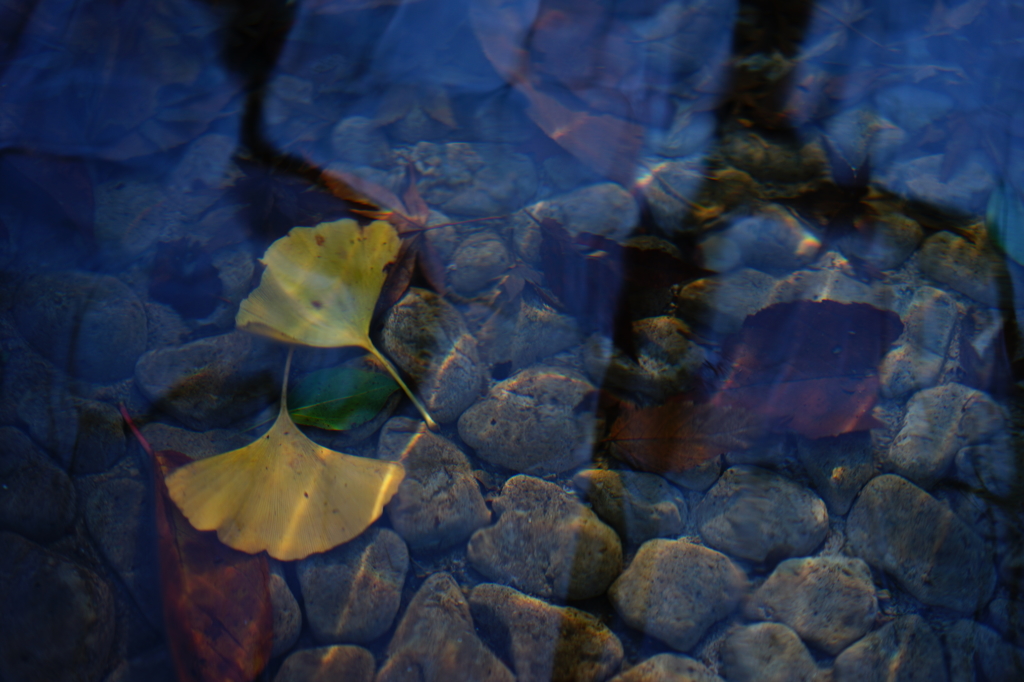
{"x":716,"y":305}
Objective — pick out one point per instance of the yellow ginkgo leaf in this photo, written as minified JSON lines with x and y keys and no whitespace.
{"x":321,"y":286}
{"x":284,"y":493}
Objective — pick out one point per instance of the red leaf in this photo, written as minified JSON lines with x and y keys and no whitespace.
{"x":680,"y":435}
{"x":810,"y":366}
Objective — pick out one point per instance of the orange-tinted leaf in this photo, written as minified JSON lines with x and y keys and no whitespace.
{"x":679,"y":435}
{"x":216,"y":600}
{"x":810,"y":366}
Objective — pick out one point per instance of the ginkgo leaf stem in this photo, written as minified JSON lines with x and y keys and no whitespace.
{"x":420,"y":407}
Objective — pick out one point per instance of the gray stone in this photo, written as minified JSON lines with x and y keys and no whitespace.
{"x":991,"y":468}
{"x":885,"y":243}
{"x":92,"y":326}
{"x":427,"y":337}
{"x":192,"y":443}
{"x":546,"y":542}
{"x":638,"y":506}
{"x":328,"y":663}
{"x":721,"y":304}
{"x":829,"y":600}
{"x":211,"y":382}
{"x":480,"y":259}
{"x":352,"y":592}
{"x":287,"y":614}
{"x":58,"y":616}
{"x":839,"y":467}
{"x":436,"y":640}
{"x":545,"y":642}
{"x":1007,"y":616}
{"x":666,"y":360}
{"x":606,"y":209}
{"x":668,"y":668}
{"x":973,"y":647}
{"x":963,"y":266}
{"x":768,"y":652}
{"x":699,"y":478}
{"x":357,"y":140}
{"x":773,"y":161}
{"x":758,"y":515}
{"x":671,"y":190}
{"x":922,"y":179}
{"x":861,"y":137}
{"x":904,"y":650}
{"x":99,"y":442}
{"x":438,"y":503}
{"x":939,"y":422}
{"x":901,"y":529}
{"x":774,"y":240}
{"x":525,"y":332}
{"x":536,"y":421}
{"x":474,"y":179}
{"x":675,"y":590}
{"x":920,"y":354}
{"x":37,"y":499}
{"x":118,"y":512}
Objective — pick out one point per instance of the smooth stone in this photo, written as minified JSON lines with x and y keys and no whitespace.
{"x":922,"y":180}
{"x":37,"y":499}
{"x":699,"y":478}
{"x":920,"y":353}
{"x":638,"y":506}
{"x":151,"y":666}
{"x":901,"y":651}
{"x":352,"y":592}
{"x":197,"y":445}
{"x":545,"y":542}
{"x":436,"y":640}
{"x":899,"y":528}
{"x":327,"y":663}
{"x":774,"y":240}
{"x":666,"y":361}
{"x":119,"y":515}
{"x":93,"y":326}
{"x":839,"y":467}
{"x":962,"y":266}
{"x":474,"y":179}
{"x":861,"y":137}
{"x":605,"y":209}
{"x":773,"y":161}
{"x":536,"y":421}
{"x":689,"y":133}
{"x":907,"y":368}
{"x":722,"y":303}
{"x":989,"y":467}
{"x":426,"y":336}
{"x":668,"y":668}
{"x":287,"y":614}
{"x":675,"y":590}
{"x":100,"y":441}
{"x":755,"y":514}
{"x":58,"y":616}
{"x":1007,"y":616}
{"x":545,"y":642}
{"x":939,"y":422}
{"x":211,"y":382}
{"x":885,"y":243}
{"x":479,"y":260}
{"x":671,"y":190}
{"x":438,"y":503}
{"x":831,"y":282}
{"x":768,"y":652}
{"x":358,"y":140}
{"x":532,"y":330}
{"x":973,"y":647}
{"x":828,"y":600}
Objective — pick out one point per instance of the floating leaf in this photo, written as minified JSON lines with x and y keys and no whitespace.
{"x":810,"y":366}
{"x":284,"y":494}
{"x":321,"y":286}
{"x":339,"y":398}
{"x":679,"y":435}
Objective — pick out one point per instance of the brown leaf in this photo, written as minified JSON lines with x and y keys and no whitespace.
{"x":680,"y":435}
{"x":810,"y":366}
{"x":217,"y":609}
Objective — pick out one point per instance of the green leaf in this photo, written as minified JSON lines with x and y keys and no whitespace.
{"x":339,"y":398}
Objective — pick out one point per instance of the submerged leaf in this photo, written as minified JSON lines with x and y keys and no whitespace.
{"x":680,"y":435}
{"x":284,"y":493}
{"x":339,"y":398}
{"x":810,"y":366}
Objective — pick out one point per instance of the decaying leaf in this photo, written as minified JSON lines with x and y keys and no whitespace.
{"x":320,"y":289}
{"x":680,"y":434}
{"x":284,"y":494}
{"x":216,"y":601}
{"x":339,"y":398}
{"x":810,"y":366}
